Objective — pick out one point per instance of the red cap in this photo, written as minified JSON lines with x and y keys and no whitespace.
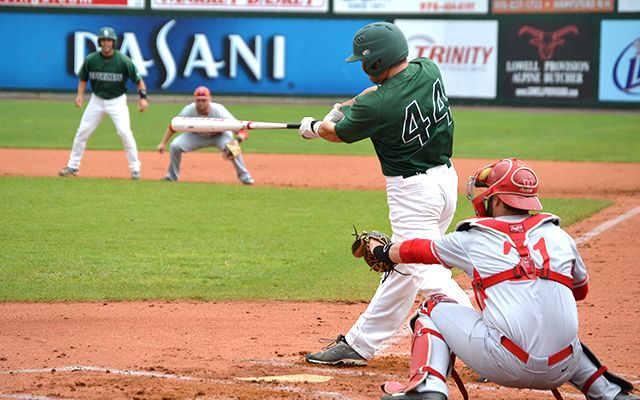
{"x":202,"y":92}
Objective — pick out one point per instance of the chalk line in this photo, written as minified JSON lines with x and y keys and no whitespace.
{"x":607,"y":225}
{"x":115,"y":371}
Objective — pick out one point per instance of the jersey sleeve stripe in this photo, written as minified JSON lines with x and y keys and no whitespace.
{"x":582,"y":282}
{"x":434,"y":251}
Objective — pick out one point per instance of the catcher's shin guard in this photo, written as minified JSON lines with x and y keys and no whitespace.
{"x":421,"y":354}
{"x":427,"y":306}
{"x":603,"y":371}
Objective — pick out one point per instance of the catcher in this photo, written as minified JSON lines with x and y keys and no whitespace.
{"x":191,"y":141}
{"x":527,"y":275}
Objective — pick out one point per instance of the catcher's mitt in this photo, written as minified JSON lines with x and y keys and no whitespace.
{"x":360,"y":249}
{"x":232,"y":150}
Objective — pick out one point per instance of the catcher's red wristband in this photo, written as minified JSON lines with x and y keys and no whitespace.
{"x":417,"y":251}
{"x":580,"y":293}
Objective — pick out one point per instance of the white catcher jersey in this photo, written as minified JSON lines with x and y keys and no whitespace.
{"x":216,"y":110}
{"x":539,"y":315}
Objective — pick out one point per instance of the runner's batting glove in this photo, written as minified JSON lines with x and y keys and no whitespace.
{"x":309,"y":128}
{"x":335,"y":115}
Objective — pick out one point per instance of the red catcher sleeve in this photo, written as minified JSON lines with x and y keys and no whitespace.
{"x":417,"y":251}
{"x":580,"y":293}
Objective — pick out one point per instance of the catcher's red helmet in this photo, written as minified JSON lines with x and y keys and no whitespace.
{"x":202,"y":92}
{"x":513,"y":181}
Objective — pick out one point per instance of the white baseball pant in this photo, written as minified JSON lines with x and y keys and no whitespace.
{"x":421,"y":206}
{"x":97,"y":108}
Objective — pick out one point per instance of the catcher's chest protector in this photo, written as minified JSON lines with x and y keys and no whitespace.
{"x":516,"y":235}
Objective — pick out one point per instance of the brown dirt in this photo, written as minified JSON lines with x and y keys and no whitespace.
{"x":179,"y":350}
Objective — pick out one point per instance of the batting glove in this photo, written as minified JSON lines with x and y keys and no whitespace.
{"x":309,"y":128}
{"x":335,"y":115}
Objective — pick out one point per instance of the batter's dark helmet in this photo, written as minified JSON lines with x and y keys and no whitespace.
{"x":513,"y":181}
{"x":107,"y":32}
{"x":379,"y":46}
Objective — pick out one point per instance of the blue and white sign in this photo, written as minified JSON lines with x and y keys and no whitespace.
{"x":423,"y":7}
{"x":308,"y":6}
{"x":175,"y":54}
{"x":620,"y":61}
{"x":628,"y":6}
{"x":466,"y":52}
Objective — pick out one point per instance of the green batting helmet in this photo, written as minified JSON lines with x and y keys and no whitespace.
{"x":379,"y":46}
{"x":107,"y":32}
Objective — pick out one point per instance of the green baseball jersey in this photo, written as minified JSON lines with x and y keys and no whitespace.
{"x":108,"y":76}
{"x":407,"y":118}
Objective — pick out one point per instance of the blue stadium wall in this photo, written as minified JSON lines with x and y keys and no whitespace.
{"x":577,"y":60}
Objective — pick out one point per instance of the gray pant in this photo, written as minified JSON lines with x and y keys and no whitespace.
{"x":188,"y":142}
{"x":477,"y":344}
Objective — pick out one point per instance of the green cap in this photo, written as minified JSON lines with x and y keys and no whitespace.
{"x":379,"y":45}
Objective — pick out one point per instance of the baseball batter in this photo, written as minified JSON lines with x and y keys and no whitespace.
{"x":408,"y":119}
{"x":191,"y":141}
{"x":108,"y":70}
{"x":527,"y":275}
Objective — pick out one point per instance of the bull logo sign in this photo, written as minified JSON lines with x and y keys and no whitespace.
{"x":547,"y":42}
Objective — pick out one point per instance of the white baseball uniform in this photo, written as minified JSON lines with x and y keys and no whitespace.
{"x":409,"y":122}
{"x":108,"y":77}
{"x":191,"y":141}
{"x":526,"y":272}
{"x":420,"y":206}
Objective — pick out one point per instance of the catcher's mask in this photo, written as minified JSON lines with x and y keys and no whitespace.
{"x":513,"y":181}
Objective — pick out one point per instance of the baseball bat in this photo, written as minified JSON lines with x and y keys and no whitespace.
{"x":190,"y":124}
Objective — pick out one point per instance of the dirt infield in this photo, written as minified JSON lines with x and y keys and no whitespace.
{"x":197,"y":350}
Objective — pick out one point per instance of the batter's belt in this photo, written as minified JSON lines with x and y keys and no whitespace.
{"x":424,"y":171}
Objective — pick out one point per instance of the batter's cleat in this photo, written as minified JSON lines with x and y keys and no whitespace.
{"x":415,"y":396}
{"x":626,"y":396}
{"x":135,"y":175}
{"x":337,"y":353}
{"x":166,"y":178}
{"x":66,"y":171}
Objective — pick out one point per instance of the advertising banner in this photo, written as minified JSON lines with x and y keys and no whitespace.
{"x":548,"y":60}
{"x":411,"y":7}
{"x":311,"y":6}
{"x":628,"y":6}
{"x":466,"y":53}
{"x":176,"y":54}
{"x":551,"y":6}
{"x":620,"y":61}
{"x":131,"y":4}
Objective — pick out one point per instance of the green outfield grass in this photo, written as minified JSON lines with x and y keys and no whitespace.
{"x":480,"y":132}
{"x":91,"y":239}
